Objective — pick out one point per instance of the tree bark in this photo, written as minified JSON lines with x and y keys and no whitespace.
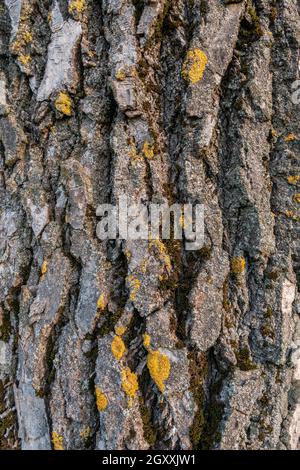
{"x":137,"y":344}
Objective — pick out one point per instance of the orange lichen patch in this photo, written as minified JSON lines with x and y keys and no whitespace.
{"x":77,"y":6}
{"x":163,"y":254}
{"x":24,"y":59}
{"x":185,"y":221}
{"x":144,"y":266}
{"x":120,"y":75}
{"x":159,"y":367}
{"x":148,"y":150}
{"x":102,"y":302}
{"x":290,"y":138}
{"x":120,"y":330}
{"x":57,"y":441}
{"x":63,"y":103}
{"x":238,"y":265}
{"x":27,"y":37}
{"x":293,"y":179}
{"x":23,"y":38}
{"x":129,"y":384}
{"x":134,"y":153}
{"x":44,"y":268}
{"x":194,"y":66}
{"x":118,"y":347}
{"x":85,"y":433}
{"x":297,"y":198}
{"x":101,"y":400}
{"x":147,"y":341}
{"x":134,"y":285}
{"x":274,"y":132}
{"x":291,"y":215}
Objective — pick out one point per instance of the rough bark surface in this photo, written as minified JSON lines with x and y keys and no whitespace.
{"x":104,"y":97}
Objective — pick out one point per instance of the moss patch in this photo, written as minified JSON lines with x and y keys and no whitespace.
{"x":148,"y":428}
{"x":198,"y":371}
{"x":244,"y":361}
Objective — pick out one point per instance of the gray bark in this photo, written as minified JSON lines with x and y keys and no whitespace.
{"x":104,"y":97}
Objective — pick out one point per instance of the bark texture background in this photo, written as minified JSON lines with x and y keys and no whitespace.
{"x":145,"y":345}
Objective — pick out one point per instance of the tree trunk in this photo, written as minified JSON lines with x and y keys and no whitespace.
{"x":137,"y":344}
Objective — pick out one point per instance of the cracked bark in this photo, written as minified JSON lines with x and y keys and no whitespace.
{"x":88,"y":91}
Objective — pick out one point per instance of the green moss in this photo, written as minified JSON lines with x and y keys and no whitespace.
{"x":269,"y":312}
{"x":226,"y":302}
{"x":251,"y":29}
{"x":211,"y":434}
{"x":159,"y":27}
{"x":264,"y":400}
{"x":2,"y":397}
{"x":5,"y":328}
{"x":132,"y":434}
{"x":244,"y":361}
{"x":148,"y":428}
{"x":265,"y":430}
{"x":273,"y":14}
{"x":171,"y":282}
{"x":198,"y":371}
{"x":255,"y":20}
{"x":273,"y":275}
{"x":267,"y":330}
{"x":110,"y":322}
{"x":5,"y":424}
{"x":205,"y":252}
{"x":139,"y":6}
{"x":203,"y":8}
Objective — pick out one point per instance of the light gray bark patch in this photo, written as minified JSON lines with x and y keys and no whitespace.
{"x":32,"y":419}
{"x":61,"y":68}
{"x":14,"y":8}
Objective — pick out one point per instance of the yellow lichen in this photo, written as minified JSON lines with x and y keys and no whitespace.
{"x":57,"y":441}
{"x":159,"y":367}
{"x":120,"y":330}
{"x":77,"y":6}
{"x":291,"y":215}
{"x":134,"y":285}
{"x":102,"y":302}
{"x":129,"y":384}
{"x":24,"y":59}
{"x":238,"y":265}
{"x":118,"y":347}
{"x":101,"y":400}
{"x":293,"y":179}
{"x":290,"y":138}
{"x":23,"y":38}
{"x":63,"y":103}
{"x":128,"y":255}
{"x":120,"y":75}
{"x":297,"y":198}
{"x":44,"y":268}
{"x":147,"y":341}
{"x":144,"y":266}
{"x":85,"y":433}
{"x":148,"y":150}
{"x":194,"y":65}
{"x":27,"y":37}
{"x":185,"y":221}
{"x":134,"y":153}
{"x":163,"y":254}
